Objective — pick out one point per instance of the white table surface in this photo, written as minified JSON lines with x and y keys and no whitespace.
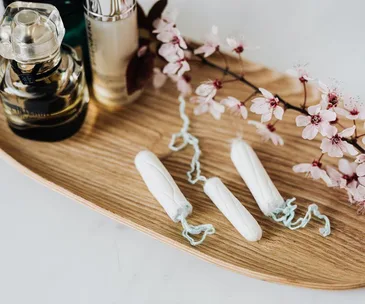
{"x":54,"y":250}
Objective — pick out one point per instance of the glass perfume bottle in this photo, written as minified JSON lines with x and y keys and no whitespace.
{"x":43,"y":89}
{"x":113,"y":42}
{"x":72,"y":14}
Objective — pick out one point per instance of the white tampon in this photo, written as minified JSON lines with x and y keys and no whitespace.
{"x":232,"y":209}
{"x":162,"y":186}
{"x":265,"y":193}
{"x":255,"y":176}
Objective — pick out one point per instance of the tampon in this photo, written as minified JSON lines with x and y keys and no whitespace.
{"x":255,"y":176}
{"x":162,"y":186}
{"x":232,"y":209}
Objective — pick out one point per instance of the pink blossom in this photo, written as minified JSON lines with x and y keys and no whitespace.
{"x":159,"y":78}
{"x":267,"y":106}
{"x":235,"y":106}
{"x":299,"y":71}
{"x":177,"y":64}
{"x":330,"y":97}
{"x":211,"y":43}
{"x":183,"y":84}
{"x":166,"y":22}
{"x":168,"y":50}
{"x":317,"y":121}
{"x":172,"y":37}
{"x":335,"y":144}
{"x":237,"y":45}
{"x":267,"y":132}
{"x":347,"y":179}
{"x":353,"y":109}
{"x":207,"y":105}
{"x":360,"y":170}
{"x":209,"y":88}
{"x":313,"y":170}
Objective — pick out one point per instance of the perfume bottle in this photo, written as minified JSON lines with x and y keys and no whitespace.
{"x":113,"y":41}
{"x":72,"y":14}
{"x":43,"y":89}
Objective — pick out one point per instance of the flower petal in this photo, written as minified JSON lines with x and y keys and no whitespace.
{"x":302,"y":168}
{"x":335,"y":151}
{"x":345,"y":167}
{"x":360,"y":170}
{"x":244,"y":112}
{"x":266,"y":93}
{"x":201,"y":109}
{"x":206,"y":89}
{"x":350,"y":149}
{"x":279,"y":112}
{"x":266,"y":117}
{"x":230,"y":102}
{"x":328,"y":115}
{"x":171,"y":68}
{"x":310,"y":132}
{"x":312,"y":110}
{"x":347,"y":132}
{"x":302,"y":120}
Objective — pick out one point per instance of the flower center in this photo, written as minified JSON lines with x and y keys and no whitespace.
{"x":175,"y":40}
{"x":332,"y":100}
{"x":302,"y":79}
{"x":273,"y":102}
{"x":316,"y":119}
{"x":271,"y":127}
{"x":317,"y":163}
{"x":335,"y":139}
{"x":239,"y":49}
{"x":217,"y":84}
{"x":350,"y":178}
{"x":354,"y":112}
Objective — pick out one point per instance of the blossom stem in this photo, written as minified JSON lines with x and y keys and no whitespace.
{"x":224,"y":58}
{"x":320,"y":158}
{"x":359,"y":136}
{"x":241,"y":64}
{"x":355,"y":128}
{"x":249,"y":97}
{"x":305,"y":95}
{"x":274,"y":123}
{"x":231,"y":80}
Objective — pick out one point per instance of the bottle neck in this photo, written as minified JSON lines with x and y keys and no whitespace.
{"x":31,"y":73}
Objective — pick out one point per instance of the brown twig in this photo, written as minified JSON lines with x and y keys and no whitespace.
{"x":305,"y":95}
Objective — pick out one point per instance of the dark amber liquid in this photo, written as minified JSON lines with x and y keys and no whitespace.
{"x":53,"y":133}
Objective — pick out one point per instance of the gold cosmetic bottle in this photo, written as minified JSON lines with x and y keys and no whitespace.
{"x":43,"y":89}
{"x":113,"y":41}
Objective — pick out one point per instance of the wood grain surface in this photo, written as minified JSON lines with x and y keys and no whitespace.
{"x":95,"y":167}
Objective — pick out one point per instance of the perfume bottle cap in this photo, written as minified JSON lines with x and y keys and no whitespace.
{"x":109,"y":10}
{"x":30,"y":32}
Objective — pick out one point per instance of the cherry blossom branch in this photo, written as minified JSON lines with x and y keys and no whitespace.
{"x":242,"y":79}
{"x":287,"y":105}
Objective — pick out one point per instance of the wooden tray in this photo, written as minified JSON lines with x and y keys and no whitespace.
{"x":95,"y":168}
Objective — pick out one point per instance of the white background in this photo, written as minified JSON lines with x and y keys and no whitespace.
{"x":54,"y":250}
